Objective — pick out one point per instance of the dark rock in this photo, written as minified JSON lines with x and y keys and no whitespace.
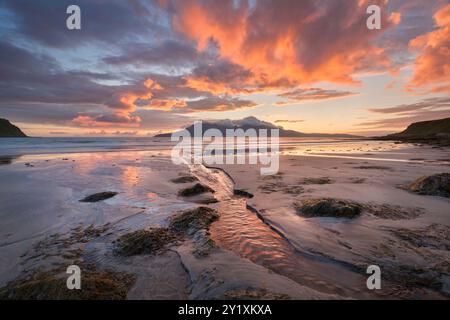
{"x":195,"y":190}
{"x":139,"y":242}
{"x":327,"y":207}
{"x":96,"y":284}
{"x":184,"y":179}
{"x":5,"y":160}
{"x":206,"y":200}
{"x":243,"y":193}
{"x":99,"y":196}
{"x":191,"y":221}
{"x":435,"y":185}
{"x":8,"y":130}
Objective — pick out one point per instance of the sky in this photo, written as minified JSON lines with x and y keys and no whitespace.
{"x":142,"y":67}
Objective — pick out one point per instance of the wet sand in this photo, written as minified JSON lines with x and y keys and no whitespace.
{"x":260,"y":247}
{"x":46,"y":226}
{"x":335,"y":252}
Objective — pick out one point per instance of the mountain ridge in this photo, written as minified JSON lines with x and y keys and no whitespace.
{"x":254,"y":123}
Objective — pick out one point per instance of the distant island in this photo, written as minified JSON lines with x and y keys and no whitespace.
{"x":254,"y":123}
{"x":8,"y":130}
{"x":430,"y":132}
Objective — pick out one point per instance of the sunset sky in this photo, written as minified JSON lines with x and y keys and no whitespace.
{"x":141,"y":67}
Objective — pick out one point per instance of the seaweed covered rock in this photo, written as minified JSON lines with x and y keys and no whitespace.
{"x":96,"y":197}
{"x":156,"y":240}
{"x":434,"y":185}
{"x":191,"y":221}
{"x":51,"y":285}
{"x":327,"y":207}
{"x":197,"y":189}
{"x":148,"y":241}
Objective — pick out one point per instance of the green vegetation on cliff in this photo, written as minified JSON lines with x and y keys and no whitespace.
{"x":426,"y":128}
{"x":435,"y":132}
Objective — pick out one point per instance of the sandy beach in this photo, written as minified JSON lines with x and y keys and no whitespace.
{"x":241,"y":247}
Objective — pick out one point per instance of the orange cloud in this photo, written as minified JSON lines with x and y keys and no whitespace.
{"x":106,"y":121}
{"x":165,"y":104}
{"x":298,"y":43}
{"x":204,"y":84}
{"x":151,"y":84}
{"x":123,"y":106}
{"x":432,"y":65}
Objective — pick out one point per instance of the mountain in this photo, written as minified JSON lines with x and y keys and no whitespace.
{"x":8,"y":130}
{"x":254,"y":123}
{"x":434,"y":132}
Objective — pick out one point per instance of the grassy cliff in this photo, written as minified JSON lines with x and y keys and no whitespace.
{"x":433,"y":132}
{"x":427,"y":128}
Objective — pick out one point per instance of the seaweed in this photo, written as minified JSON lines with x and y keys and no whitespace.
{"x":197,"y":189}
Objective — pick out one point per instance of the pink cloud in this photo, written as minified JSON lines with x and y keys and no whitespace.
{"x":432,"y":65}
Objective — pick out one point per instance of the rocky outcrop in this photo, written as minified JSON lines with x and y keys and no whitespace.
{"x":327,"y":207}
{"x":429,"y":132}
{"x":191,"y":221}
{"x":435,"y":185}
{"x":96,"y":197}
{"x":150,"y":241}
{"x":8,"y":130}
{"x":197,"y":189}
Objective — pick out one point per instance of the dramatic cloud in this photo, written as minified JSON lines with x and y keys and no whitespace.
{"x":432,"y":66}
{"x":221,"y":77}
{"x":37,"y":80}
{"x":106,"y":120}
{"x":298,"y":42}
{"x":217,"y":104}
{"x":157,"y":97}
{"x":152,"y":64}
{"x":168,"y":53}
{"x":416,"y":19}
{"x":29,"y":77}
{"x":105,"y":21}
{"x":34,"y":88}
